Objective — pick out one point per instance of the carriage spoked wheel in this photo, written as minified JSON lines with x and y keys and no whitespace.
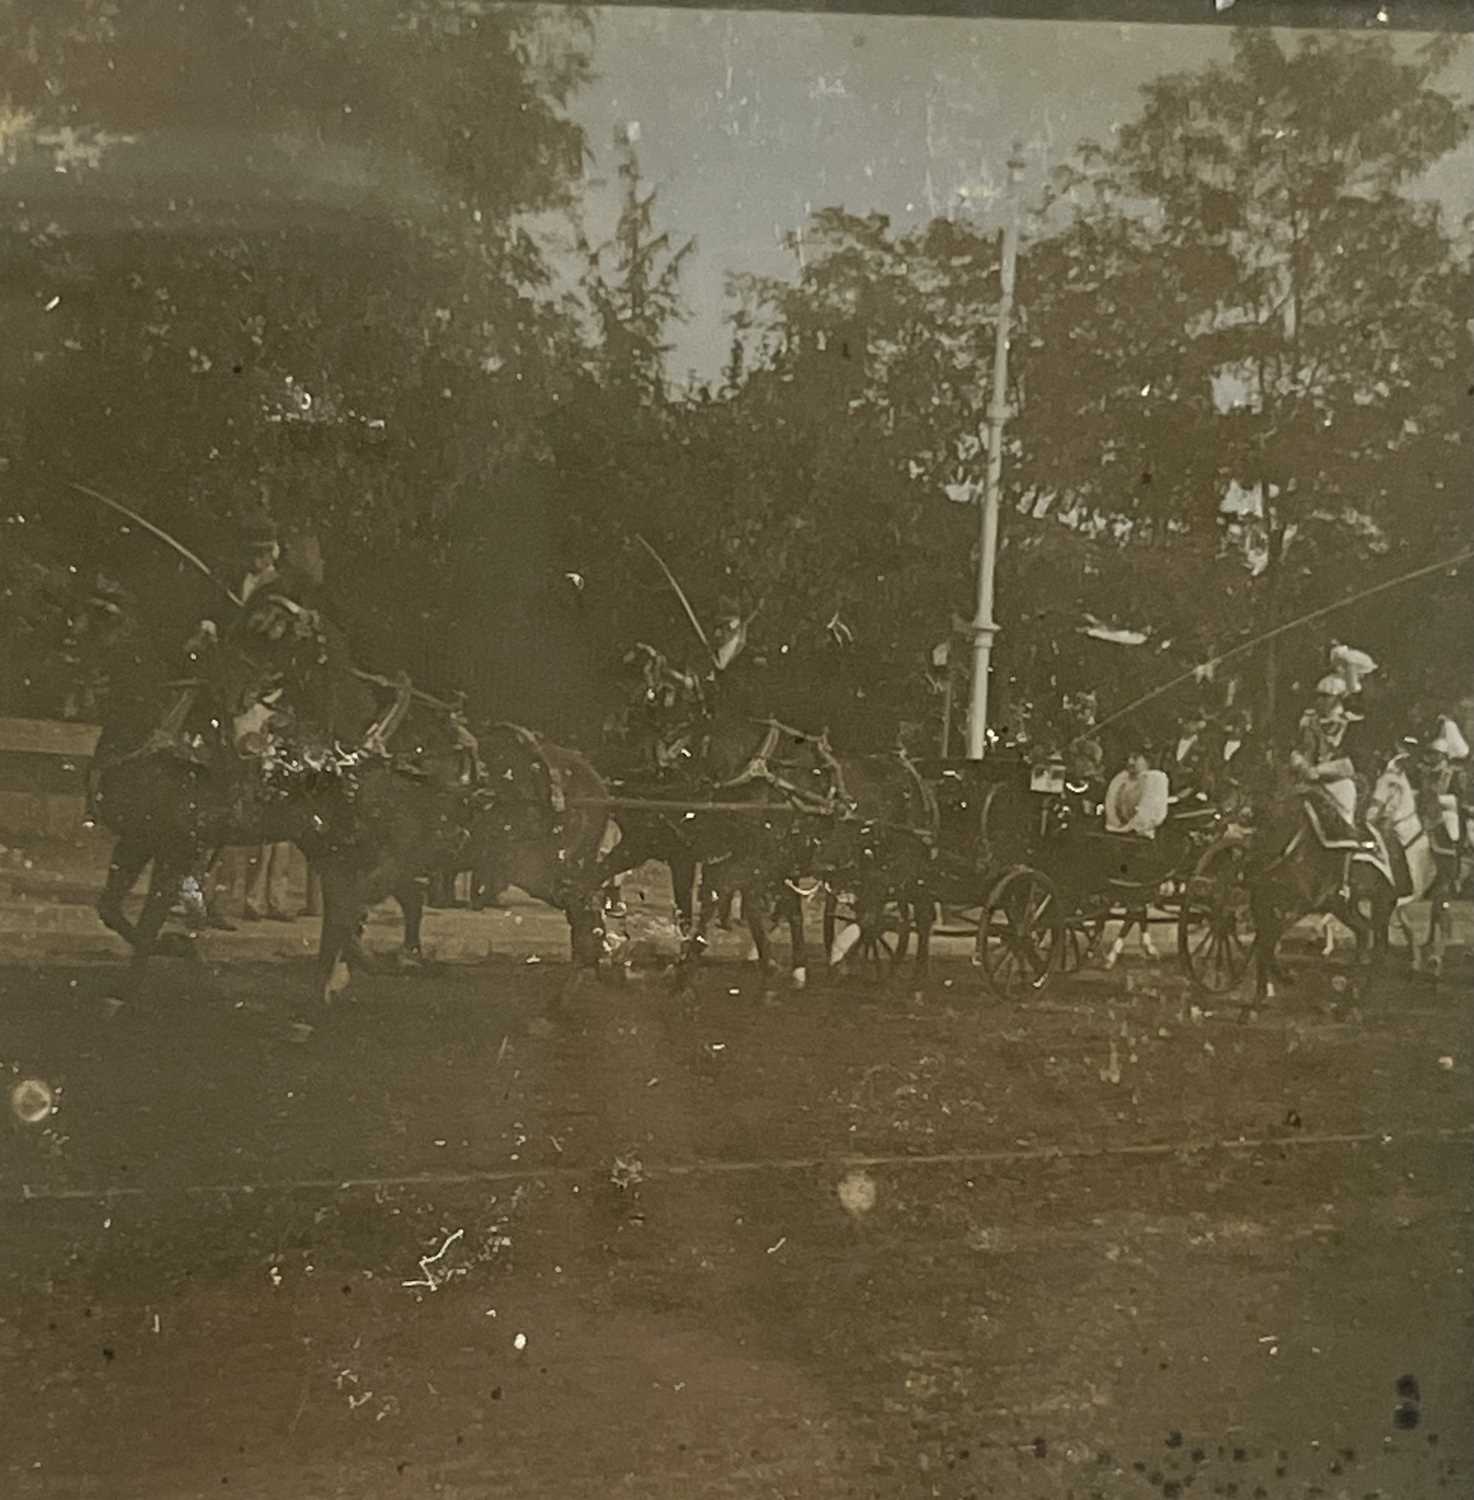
{"x":1021,"y":934}
{"x":1081,"y":943}
{"x":1214,"y":933}
{"x":879,"y":947}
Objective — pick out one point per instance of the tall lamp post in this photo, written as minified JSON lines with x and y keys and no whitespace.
{"x":984,"y":627}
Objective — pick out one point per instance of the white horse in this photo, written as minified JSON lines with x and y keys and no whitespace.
{"x":1393,"y":807}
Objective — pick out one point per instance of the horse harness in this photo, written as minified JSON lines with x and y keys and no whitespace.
{"x":531,"y":741}
{"x":838,"y":798}
{"x":760,"y":767}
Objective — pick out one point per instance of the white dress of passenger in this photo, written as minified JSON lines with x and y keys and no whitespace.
{"x":1137,"y":804}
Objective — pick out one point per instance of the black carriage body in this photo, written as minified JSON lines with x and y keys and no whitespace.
{"x":988,"y":819}
{"x":1030,"y":854}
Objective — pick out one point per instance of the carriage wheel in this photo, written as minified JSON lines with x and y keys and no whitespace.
{"x":882,"y":947}
{"x":1214,"y":934}
{"x":1081,"y":943}
{"x":1020,"y":936}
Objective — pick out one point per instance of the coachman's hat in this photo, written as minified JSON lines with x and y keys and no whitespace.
{"x":258,"y":530}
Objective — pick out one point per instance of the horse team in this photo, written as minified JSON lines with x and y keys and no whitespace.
{"x":280,"y":737}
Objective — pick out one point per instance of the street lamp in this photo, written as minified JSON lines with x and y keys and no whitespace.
{"x":984,"y":627}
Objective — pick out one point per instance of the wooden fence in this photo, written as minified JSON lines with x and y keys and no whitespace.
{"x":43,"y":768}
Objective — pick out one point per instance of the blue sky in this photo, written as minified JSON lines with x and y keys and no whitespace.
{"x":748,"y":121}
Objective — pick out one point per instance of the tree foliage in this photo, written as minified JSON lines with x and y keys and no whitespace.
{"x":303,"y":269}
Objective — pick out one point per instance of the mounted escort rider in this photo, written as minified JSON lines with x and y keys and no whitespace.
{"x":1445,"y":797}
{"x":1320,"y":759}
{"x":1327,"y":775}
{"x":263,"y":584}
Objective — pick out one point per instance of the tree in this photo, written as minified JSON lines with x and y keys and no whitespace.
{"x":1294,"y":282}
{"x":331,"y":199}
{"x":632,"y":286}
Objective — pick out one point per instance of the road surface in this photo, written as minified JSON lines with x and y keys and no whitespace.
{"x":462,"y":1238}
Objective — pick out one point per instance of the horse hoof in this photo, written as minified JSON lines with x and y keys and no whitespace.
{"x":337,"y":982}
{"x":177,"y":945}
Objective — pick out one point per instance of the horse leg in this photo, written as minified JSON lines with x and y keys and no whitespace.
{"x":1343,"y":909}
{"x":870,"y":913}
{"x":163,"y":890}
{"x":1268,"y":927}
{"x":411,"y":899}
{"x":1438,"y":925}
{"x":1327,"y":935}
{"x":1143,"y":926}
{"x":583,"y":909}
{"x":1118,"y":946}
{"x":904,"y":927}
{"x":793,"y":910}
{"x":338,"y":937}
{"x":1371,"y":940}
{"x":372,"y":886}
{"x":757,"y":914}
{"x":1381,"y":903}
{"x":1415,"y":957}
{"x":925,"y":914}
{"x":683,"y":881}
{"x":126,"y":865}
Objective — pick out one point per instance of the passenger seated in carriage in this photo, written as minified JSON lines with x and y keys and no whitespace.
{"x":1137,"y":799}
{"x":1136,"y":806}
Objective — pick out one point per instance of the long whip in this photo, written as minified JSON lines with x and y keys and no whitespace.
{"x":157,"y":531}
{"x":1269,"y":635}
{"x":680,"y":593}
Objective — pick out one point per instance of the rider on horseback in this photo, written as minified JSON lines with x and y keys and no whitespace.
{"x":1444,"y":796}
{"x":1328,"y":778}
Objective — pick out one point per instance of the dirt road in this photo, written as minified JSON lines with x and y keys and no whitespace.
{"x":458,"y":1240}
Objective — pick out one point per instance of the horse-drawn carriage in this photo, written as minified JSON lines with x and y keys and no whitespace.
{"x":1024,"y":869}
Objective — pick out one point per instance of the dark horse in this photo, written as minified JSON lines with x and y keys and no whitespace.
{"x":165,"y":778}
{"x":376,"y":798}
{"x":881,"y":848}
{"x":1302,"y":863}
{"x":417,"y":794}
{"x":172,"y":778}
{"x":769,"y":783}
{"x":541,"y":823}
